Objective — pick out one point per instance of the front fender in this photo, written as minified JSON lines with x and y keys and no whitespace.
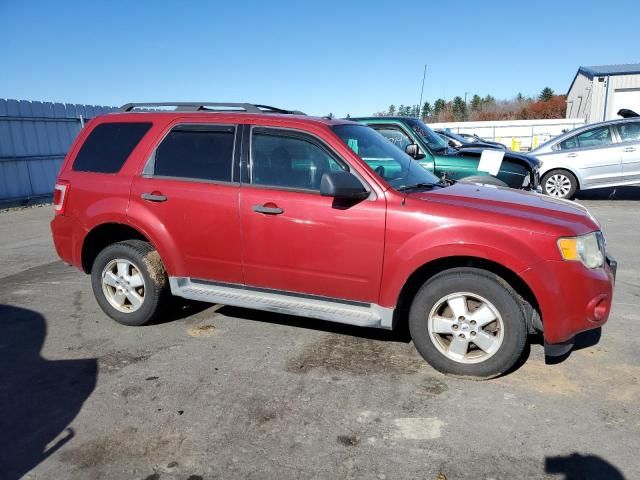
{"x":402,"y":258}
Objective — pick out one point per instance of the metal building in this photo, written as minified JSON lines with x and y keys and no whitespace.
{"x":597,"y":93}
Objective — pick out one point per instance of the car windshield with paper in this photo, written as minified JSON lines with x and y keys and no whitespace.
{"x":490,"y":161}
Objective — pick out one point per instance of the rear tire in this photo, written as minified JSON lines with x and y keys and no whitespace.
{"x":468,"y":322}
{"x":129,"y":282}
{"x":559,"y":184}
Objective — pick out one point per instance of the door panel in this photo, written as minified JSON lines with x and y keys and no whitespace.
{"x":296,"y":240}
{"x":312,"y":246}
{"x":187,"y":193}
{"x":629,"y":134}
{"x":594,"y":155}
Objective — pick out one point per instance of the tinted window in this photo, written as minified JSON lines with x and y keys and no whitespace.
{"x":389,"y":162}
{"x":198,"y":154}
{"x":108,"y":146}
{"x":591,"y":138}
{"x":394,"y":135}
{"x":629,"y":132}
{"x":291,"y":162}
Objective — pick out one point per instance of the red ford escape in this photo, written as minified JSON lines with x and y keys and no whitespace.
{"x":258,"y":207}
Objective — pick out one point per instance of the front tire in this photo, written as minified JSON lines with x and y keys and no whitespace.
{"x":129,"y":282}
{"x":559,"y":184}
{"x":468,"y":322}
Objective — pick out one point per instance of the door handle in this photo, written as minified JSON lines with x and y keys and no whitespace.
{"x":268,"y":210}
{"x":154,"y":197}
{"x":572,"y":154}
{"x":629,"y":149}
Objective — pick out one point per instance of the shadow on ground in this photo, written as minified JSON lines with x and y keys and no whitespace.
{"x":38,"y":398}
{"x":616,"y":193}
{"x":581,"y":467}
{"x":399,"y":334}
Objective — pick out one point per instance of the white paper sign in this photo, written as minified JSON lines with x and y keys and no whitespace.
{"x":490,"y":161}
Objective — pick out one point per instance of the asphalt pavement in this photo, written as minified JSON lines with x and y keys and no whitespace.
{"x":221,"y":392}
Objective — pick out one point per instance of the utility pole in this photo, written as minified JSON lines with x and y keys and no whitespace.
{"x":422,"y":90}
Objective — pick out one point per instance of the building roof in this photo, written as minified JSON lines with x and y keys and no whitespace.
{"x":605,"y":70}
{"x":620,"y":69}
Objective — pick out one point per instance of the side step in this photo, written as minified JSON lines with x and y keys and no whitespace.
{"x":335,"y":310}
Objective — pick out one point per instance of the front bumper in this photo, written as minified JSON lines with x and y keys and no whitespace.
{"x":572,"y":298}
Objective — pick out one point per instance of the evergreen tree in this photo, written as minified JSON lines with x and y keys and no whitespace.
{"x":426,"y":110}
{"x":489,"y":100}
{"x":439,"y":106}
{"x":392,"y":110}
{"x":401,"y":110}
{"x":546,"y":94}
{"x":348,"y":116}
{"x":459,"y":109}
{"x":476,"y":103}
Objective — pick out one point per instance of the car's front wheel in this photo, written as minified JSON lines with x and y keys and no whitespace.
{"x":129,"y":282}
{"x":559,"y":183}
{"x":468,"y":322}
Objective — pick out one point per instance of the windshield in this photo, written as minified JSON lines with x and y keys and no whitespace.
{"x":433,"y":141}
{"x":388,"y":161}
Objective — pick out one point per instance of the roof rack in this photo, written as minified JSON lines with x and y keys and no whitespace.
{"x":209,"y":107}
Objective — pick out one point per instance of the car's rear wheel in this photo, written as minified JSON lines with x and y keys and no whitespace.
{"x":129,"y":282}
{"x":468,"y":322}
{"x":559,"y":183}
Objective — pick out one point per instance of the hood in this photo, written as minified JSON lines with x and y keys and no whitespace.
{"x":516,"y":157}
{"x":511,"y":208}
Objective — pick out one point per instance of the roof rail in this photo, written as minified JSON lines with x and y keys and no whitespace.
{"x":209,"y":107}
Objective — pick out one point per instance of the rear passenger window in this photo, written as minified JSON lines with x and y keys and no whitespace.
{"x":202,"y":154}
{"x":108,"y":146}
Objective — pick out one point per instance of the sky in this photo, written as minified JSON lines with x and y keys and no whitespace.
{"x":321,"y":57}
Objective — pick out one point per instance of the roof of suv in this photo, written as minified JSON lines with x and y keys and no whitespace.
{"x":217,"y":110}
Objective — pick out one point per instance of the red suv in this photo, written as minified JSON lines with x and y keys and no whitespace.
{"x":258,"y":207}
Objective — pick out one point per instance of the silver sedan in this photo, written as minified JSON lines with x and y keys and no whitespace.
{"x":605,"y":154}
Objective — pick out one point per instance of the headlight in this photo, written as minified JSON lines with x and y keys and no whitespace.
{"x":588,"y":249}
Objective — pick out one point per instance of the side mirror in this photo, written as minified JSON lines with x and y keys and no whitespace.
{"x":342,"y":185}
{"x":414,"y":151}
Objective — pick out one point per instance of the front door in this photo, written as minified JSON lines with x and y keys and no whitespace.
{"x":594,"y":154}
{"x":188,"y":191}
{"x":296,"y":240}
{"x":629,"y":133}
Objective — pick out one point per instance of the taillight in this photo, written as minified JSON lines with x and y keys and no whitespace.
{"x":60,"y":191}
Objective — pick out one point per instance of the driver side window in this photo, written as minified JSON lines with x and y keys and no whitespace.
{"x":289,"y":161}
{"x":394,"y":135}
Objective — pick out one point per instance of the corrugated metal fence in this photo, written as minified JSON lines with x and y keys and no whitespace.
{"x":34,"y":138}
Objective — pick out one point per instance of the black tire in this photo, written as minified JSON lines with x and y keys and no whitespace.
{"x":155,"y":291}
{"x":483,"y":284}
{"x":485,"y":180}
{"x":549,"y":188}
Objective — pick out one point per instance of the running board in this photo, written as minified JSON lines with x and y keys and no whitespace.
{"x":335,"y":310}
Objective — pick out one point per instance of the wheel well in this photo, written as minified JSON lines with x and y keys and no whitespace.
{"x":427,"y":271}
{"x":561,"y":169}
{"x":103,"y":236}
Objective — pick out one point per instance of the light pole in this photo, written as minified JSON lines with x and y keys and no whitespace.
{"x":422,"y":89}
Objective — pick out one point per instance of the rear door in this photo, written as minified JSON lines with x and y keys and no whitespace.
{"x":296,"y":240}
{"x":594,"y":154}
{"x":189,"y":192}
{"x":629,"y":135}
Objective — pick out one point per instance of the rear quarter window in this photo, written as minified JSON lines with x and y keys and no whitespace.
{"x":108,"y":146}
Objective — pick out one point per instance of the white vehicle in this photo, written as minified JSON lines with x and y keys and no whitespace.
{"x":605,"y":154}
